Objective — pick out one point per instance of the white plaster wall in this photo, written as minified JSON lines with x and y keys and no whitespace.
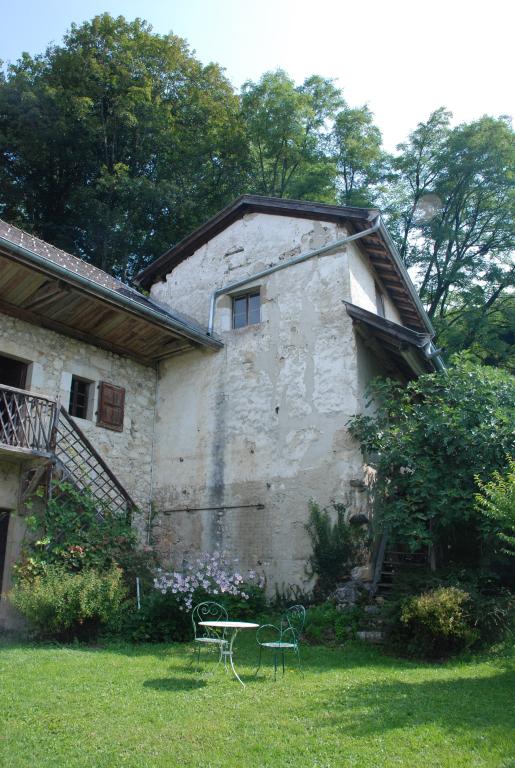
{"x":261,"y":422}
{"x":55,"y":358}
{"x":362,"y":285}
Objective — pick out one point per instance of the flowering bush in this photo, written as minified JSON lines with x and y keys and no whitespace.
{"x":209,"y":576}
{"x":165,"y":610}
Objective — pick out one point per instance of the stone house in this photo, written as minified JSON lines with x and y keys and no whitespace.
{"x":215,"y":408}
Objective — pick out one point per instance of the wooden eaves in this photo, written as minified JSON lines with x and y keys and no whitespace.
{"x":50,"y":288}
{"x":401,"y":349}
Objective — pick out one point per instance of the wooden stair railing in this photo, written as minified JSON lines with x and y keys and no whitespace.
{"x":78,"y":461}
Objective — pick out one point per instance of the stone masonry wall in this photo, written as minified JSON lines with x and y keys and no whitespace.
{"x":55,"y":358}
{"x":247,"y":436}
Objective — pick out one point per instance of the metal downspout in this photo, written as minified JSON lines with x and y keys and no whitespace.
{"x":297,"y":260}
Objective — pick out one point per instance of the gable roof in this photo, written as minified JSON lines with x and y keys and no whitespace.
{"x":378,"y":246}
{"x":48,"y":286}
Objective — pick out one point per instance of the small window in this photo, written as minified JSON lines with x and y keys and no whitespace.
{"x":380,"y":302}
{"x":111,"y":404}
{"x":246,"y":310}
{"x":79,"y":397}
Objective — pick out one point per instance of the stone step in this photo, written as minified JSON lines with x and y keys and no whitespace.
{"x":370,"y":636}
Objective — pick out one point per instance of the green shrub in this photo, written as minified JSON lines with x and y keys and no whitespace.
{"x":70,"y":531}
{"x":160,"y":619}
{"x":163,"y":616}
{"x":326,"y":625}
{"x":434,"y":624}
{"x":337,"y":547}
{"x":64,"y":606}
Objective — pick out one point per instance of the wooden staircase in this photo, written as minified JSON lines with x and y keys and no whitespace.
{"x":390,"y":562}
{"x":37,"y":428}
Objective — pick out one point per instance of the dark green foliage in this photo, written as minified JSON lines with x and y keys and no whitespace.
{"x":417,"y":614}
{"x":117,"y":143}
{"x":78,"y":576}
{"x":326,"y":625}
{"x":74,"y":534}
{"x":66,"y":606}
{"x":429,"y":441}
{"x":286,"y":130}
{"x":163,"y":617}
{"x":160,"y":619}
{"x":337,"y":547}
{"x":359,"y":157}
{"x":451,"y":209}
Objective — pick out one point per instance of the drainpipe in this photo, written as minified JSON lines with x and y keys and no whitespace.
{"x":283,"y":265}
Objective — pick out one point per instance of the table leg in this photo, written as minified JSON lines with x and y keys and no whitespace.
{"x":229,"y":653}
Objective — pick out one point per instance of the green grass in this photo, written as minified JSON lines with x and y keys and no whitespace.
{"x":145,"y":706}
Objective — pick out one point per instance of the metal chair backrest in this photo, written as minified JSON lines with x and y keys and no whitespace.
{"x":292,"y":622}
{"x":208,"y":611}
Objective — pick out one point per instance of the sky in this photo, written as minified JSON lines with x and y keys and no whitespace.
{"x":401,"y":57}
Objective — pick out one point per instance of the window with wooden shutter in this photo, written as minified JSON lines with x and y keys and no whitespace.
{"x":111,"y":401}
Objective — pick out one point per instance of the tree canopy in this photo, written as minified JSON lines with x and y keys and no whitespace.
{"x":451,"y":204}
{"x":116,"y":143}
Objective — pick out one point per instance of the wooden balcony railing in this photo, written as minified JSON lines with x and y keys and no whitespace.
{"x":27,"y":421}
{"x":39,"y":425}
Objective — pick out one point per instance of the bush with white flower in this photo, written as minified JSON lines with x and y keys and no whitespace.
{"x":212,"y":576}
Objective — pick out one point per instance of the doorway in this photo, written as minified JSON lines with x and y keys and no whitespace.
{"x":13,"y":373}
{"x":4,"y":529}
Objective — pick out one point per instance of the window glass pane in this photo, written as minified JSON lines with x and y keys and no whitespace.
{"x":239,"y":312}
{"x":254,"y":308}
{"x":79,"y":395}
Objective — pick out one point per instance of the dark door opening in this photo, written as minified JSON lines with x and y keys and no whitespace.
{"x":4,"y":527}
{"x":13,"y":373}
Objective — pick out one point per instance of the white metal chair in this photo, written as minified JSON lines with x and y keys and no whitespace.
{"x":208,"y":637}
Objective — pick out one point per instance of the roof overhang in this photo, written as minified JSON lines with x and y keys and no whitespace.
{"x":40,"y":291}
{"x":401,"y":349}
{"x":378,"y":247}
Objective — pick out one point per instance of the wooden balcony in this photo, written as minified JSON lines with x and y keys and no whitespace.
{"x":27,"y":423}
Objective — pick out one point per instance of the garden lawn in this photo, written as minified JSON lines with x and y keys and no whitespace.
{"x":145,"y":706}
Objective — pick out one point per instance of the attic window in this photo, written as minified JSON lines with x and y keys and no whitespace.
{"x":246,"y":309}
{"x":80,"y":393}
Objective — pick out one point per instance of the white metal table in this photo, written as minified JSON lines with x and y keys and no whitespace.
{"x":226,"y":651}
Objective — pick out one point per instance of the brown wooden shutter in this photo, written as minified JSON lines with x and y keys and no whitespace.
{"x":111,"y":401}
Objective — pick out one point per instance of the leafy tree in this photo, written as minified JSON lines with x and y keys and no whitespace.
{"x":117,"y":143}
{"x":451,"y":206}
{"x":486,"y":330}
{"x":429,"y":441}
{"x":359,"y":157}
{"x":287,"y":130}
{"x":496,"y":500}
